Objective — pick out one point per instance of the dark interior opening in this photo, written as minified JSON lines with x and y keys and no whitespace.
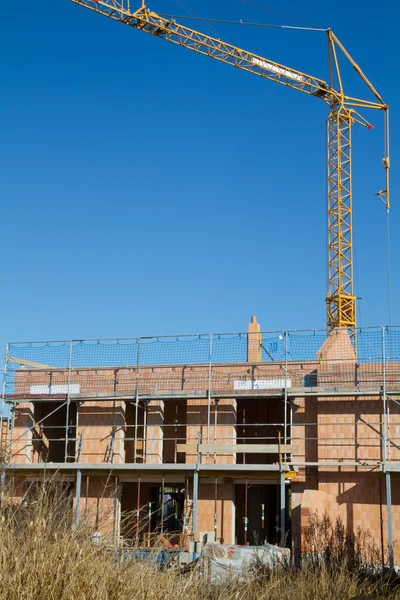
{"x":260,"y":498}
{"x":130,"y":420}
{"x":259,"y":421}
{"x":49,"y":436}
{"x":174,"y":430}
{"x":158,"y":515}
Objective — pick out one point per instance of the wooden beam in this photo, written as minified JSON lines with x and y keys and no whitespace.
{"x":29,"y":363}
{"x":240,"y":448}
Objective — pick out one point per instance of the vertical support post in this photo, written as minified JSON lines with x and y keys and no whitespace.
{"x":283,"y":508}
{"x":68,"y":402}
{"x":149,"y":525}
{"x":263,"y":521}
{"x":215,"y":426}
{"x":186,"y":504}
{"x":209,"y":390}
{"x":215,"y":507}
{"x":112,"y":442}
{"x":176,"y":423}
{"x":78,"y":486}
{"x":87,"y":493}
{"x":290,"y":440}
{"x":144,"y":442}
{"x":196,"y":493}
{"x":195,"y":502}
{"x":385,"y":350}
{"x":246,"y":520}
{"x":162,"y":504}
{"x":384,"y":427}
{"x":78,"y":445}
{"x":137,"y":403}
{"x":138,"y":511}
{"x":385,"y":196}
{"x":389,"y":518}
{"x":286,"y":392}
{"x":117,"y":515}
{"x":12,"y":426}
{"x":3,"y":394}
{"x":388,"y":428}
{"x":282,"y":496}
{"x":244,"y":432}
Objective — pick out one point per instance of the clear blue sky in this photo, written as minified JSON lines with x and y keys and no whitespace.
{"x":148,"y":190}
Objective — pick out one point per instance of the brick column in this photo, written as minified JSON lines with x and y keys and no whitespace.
{"x":100,"y":504}
{"x":96,"y":420}
{"x":253,"y":341}
{"x":336,"y":360}
{"x":22,"y":447}
{"x":225,"y":509}
{"x":226,"y":428}
{"x":196,"y":419}
{"x":154,"y":432}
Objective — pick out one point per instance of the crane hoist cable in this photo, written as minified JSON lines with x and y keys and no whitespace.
{"x":241,"y":22}
{"x":274,"y":11}
{"x":343,"y":113}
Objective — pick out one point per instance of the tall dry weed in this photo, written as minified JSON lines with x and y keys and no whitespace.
{"x":44,"y":557}
{"x":331,"y":545}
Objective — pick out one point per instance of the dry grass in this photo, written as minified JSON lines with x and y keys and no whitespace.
{"x":42,"y":557}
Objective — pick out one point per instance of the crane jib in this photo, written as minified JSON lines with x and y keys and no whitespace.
{"x":340,"y":298}
{"x":275,"y":69}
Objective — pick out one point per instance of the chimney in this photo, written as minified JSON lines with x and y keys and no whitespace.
{"x":254,"y":340}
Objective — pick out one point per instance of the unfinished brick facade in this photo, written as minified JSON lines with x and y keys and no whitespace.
{"x":133,"y":432}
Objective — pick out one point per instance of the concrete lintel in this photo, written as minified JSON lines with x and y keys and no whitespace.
{"x":179,"y":395}
{"x":274,"y":468}
{"x":391,"y":467}
{"x":203,"y":394}
{"x":371,"y":465}
{"x":106,"y":468}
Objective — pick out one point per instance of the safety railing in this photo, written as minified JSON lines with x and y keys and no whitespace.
{"x":135,"y":380}
{"x":195,"y":365}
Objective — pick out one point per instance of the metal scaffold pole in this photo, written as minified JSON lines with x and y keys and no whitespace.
{"x":78,"y":486}
{"x":136,"y":403}
{"x":246,"y":519}
{"x":144,"y":442}
{"x":209,"y":390}
{"x":138,"y":512}
{"x":12,"y":427}
{"x":3,"y":395}
{"x":196,"y":492}
{"x":384,"y":427}
{"x":68,"y":402}
{"x":215,"y":426}
{"x":283,"y":509}
{"x":162,"y":505}
{"x":282,"y":497}
{"x":389,"y":518}
{"x":285,"y":404}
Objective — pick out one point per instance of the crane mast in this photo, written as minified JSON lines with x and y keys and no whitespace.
{"x":340,"y":298}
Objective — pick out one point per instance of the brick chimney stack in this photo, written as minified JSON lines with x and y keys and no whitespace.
{"x":254,"y":340}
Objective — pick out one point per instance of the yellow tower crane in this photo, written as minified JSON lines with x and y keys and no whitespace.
{"x":340,"y":298}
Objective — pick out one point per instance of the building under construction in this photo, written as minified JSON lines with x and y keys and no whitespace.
{"x":233,"y":437}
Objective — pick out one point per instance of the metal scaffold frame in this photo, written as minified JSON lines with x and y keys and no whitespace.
{"x":283,"y":372}
{"x":372,"y":374}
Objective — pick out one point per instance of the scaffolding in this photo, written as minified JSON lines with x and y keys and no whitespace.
{"x":213,"y":404}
